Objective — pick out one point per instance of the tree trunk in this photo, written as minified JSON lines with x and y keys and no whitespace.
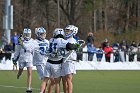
{"x":104,"y":16}
{"x":95,"y":21}
{"x":93,"y":26}
{"x":137,"y":10}
{"x":72,"y":12}
{"x":47,"y":15}
{"x":29,"y":14}
{"x":127,"y":18}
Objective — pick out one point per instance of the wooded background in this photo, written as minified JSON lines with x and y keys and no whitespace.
{"x":112,"y":19}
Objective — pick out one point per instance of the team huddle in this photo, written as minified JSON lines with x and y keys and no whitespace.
{"x":53,"y":58}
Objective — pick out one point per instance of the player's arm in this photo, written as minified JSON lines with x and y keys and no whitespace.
{"x":16,"y":54}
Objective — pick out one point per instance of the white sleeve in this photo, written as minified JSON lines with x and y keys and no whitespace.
{"x":36,"y":47}
{"x":17,"y":51}
{"x":63,"y":43}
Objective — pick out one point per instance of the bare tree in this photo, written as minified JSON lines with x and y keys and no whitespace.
{"x":70,"y":9}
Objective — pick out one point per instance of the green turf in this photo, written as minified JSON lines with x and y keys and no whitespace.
{"x":84,"y":82}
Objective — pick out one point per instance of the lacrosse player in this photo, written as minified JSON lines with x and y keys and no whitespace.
{"x":55,"y":58}
{"x":39,"y":59}
{"x":42,"y":45}
{"x":24,"y":53}
{"x":68,"y":67}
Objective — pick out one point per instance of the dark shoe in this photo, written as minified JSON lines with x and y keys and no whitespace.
{"x":18,"y":76}
{"x":29,"y":91}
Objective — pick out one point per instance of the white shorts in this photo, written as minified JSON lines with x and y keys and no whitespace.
{"x":68,"y":68}
{"x":25,"y":64}
{"x":52,"y":70}
{"x":40,"y":71}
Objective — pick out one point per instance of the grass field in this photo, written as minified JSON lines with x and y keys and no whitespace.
{"x":84,"y":82}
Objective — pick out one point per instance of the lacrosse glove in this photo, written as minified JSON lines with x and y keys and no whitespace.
{"x":20,"y":40}
{"x":78,"y":47}
{"x":14,"y":61}
{"x":70,"y":46}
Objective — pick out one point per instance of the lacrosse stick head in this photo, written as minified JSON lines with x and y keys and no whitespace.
{"x":81,"y":42}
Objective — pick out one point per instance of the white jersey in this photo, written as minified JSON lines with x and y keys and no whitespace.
{"x":57,"y":45}
{"x":73,"y":55}
{"x":68,"y":67}
{"x":25,"y":51}
{"x":41,"y":46}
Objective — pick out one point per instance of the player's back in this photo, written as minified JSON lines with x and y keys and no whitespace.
{"x":56,"y":44}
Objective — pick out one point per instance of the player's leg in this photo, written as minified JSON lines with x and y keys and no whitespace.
{"x":19,"y":72}
{"x":51,"y":85}
{"x":57,"y":84}
{"x":63,"y":73}
{"x":44,"y":84}
{"x":40,"y":71}
{"x":16,"y":68}
{"x":69,"y":71}
{"x":29,"y":78}
{"x":64,"y":84}
{"x":21,"y":67}
{"x":13,"y":67}
{"x":56,"y":74}
{"x":69,"y":78}
{"x":47,"y":75}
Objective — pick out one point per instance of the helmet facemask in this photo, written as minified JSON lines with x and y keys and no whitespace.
{"x":58,"y":33}
{"x":27,"y":33}
{"x":69,"y":30}
{"x":42,"y":36}
{"x":69,"y":33}
{"x":40,"y":33}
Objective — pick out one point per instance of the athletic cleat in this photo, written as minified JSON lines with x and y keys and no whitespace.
{"x":18,"y":76}
{"x":29,"y":91}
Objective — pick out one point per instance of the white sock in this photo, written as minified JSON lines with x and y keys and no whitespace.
{"x":29,"y":88}
{"x":41,"y":92}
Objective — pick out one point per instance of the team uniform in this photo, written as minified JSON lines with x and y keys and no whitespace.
{"x":41,"y":46}
{"x":53,"y":65}
{"x":39,"y":58}
{"x":55,"y":58}
{"x":69,"y":66}
{"x":25,"y":53}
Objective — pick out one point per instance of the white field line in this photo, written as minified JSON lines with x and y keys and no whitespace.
{"x":20,"y":87}
{"x":17,"y":87}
